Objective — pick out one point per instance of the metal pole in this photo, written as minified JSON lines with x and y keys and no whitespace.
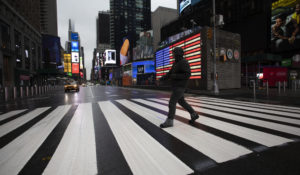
{"x":284,"y":86}
{"x":21,"y":92}
{"x":267,"y":88}
{"x":27,"y":91}
{"x":216,"y":89}
{"x":15,"y":92}
{"x":279,"y":84}
{"x":6,"y":93}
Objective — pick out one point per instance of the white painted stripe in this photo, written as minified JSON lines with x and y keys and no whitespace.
{"x":212,"y":146}
{"x":192,"y":54}
{"x":287,"y":108}
{"x":256,"y":122}
{"x":17,"y":153}
{"x":195,"y":73}
{"x":193,"y":47}
{"x":195,"y":67}
{"x":143,"y":154}
{"x":12,"y":125}
{"x":193,"y":40}
{"x":248,"y":113}
{"x":194,"y":60}
{"x":243,"y":132}
{"x":11,"y":114}
{"x":76,"y":153}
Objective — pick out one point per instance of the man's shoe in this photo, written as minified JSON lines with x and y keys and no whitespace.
{"x":194,"y":117}
{"x":167,"y":123}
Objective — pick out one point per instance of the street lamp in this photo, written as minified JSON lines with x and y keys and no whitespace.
{"x":216,"y":89}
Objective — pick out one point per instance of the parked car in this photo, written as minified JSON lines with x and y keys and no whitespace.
{"x":71,"y":86}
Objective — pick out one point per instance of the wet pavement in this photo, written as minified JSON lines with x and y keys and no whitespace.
{"x":115,"y":130}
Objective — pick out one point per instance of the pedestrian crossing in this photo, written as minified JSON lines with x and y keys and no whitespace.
{"x":66,"y":139}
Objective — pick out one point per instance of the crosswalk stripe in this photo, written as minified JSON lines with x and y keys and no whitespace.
{"x":15,"y":155}
{"x":202,"y":141}
{"x":10,"y":126}
{"x":249,"y":134}
{"x":256,"y":122}
{"x":143,"y":154}
{"x":76,"y":153}
{"x":248,"y":113}
{"x":241,"y":103}
{"x":11,"y":114}
{"x":281,"y":107}
{"x":248,"y":108}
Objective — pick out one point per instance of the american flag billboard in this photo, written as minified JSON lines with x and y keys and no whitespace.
{"x":192,"y":53}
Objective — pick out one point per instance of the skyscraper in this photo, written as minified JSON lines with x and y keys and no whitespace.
{"x":128,"y":19}
{"x":103,"y":26}
{"x":48,"y":11}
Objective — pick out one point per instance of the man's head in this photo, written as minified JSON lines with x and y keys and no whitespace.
{"x":279,"y":22}
{"x":297,"y":8}
{"x":178,"y":53}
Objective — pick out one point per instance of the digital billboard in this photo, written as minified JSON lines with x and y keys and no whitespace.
{"x":192,"y":53}
{"x":124,"y":57}
{"x":75,"y":68}
{"x":144,"y":47}
{"x":183,"y":4}
{"x":285,"y":22}
{"x":81,"y":62}
{"x":75,"y":57}
{"x":142,"y":66}
{"x":74,"y":36}
{"x":74,"y":46}
{"x":110,"y":57}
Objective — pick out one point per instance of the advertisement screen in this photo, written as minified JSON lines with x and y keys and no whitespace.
{"x":69,"y":67}
{"x":274,"y":75}
{"x":74,"y":46}
{"x":110,"y":57}
{"x":183,"y":4}
{"x":144,"y":47}
{"x":75,"y":57}
{"x":74,"y":36}
{"x":192,"y":53}
{"x":75,"y":68}
{"x":124,"y":53}
{"x":285,"y":20}
{"x":81,"y":62}
{"x":144,"y":67}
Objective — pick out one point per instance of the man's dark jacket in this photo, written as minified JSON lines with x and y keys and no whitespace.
{"x":179,"y":73}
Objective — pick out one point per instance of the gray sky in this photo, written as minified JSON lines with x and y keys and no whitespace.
{"x":84,"y":14}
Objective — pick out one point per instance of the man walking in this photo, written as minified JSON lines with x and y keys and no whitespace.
{"x":179,"y":76}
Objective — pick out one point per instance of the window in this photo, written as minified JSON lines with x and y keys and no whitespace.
{"x":18,"y":49}
{"x":5,"y":35}
{"x":27,"y":53}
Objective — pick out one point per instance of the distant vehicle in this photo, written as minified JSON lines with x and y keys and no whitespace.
{"x":71,"y":86}
{"x":83,"y":85}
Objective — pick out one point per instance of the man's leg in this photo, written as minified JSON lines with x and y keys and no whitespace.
{"x":186,"y":106}
{"x":175,"y":96}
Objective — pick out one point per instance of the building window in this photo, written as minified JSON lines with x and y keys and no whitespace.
{"x":5,"y":36}
{"x":27,"y":53}
{"x":34,"y":59}
{"x":18,"y":49}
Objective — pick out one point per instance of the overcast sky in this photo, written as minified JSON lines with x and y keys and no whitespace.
{"x":84,"y":14}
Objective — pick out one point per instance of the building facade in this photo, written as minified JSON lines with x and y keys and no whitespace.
{"x":48,"y":20}
{"x":20,"y":48}
{"x":103,"y":28}
{"x":128,"y":18}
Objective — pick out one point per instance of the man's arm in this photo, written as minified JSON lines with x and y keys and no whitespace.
{"x":296,"y":27}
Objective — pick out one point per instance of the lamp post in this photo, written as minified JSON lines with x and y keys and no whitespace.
{"x":216,"y":89}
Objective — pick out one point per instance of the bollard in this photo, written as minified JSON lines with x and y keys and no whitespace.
{"x":6,"y":93}
{"x":295,"y":86}
{"x":267,"y":88}
{"x":32,"y":91}
{"x":15,"y":92}
{"x":27,"y":91}
{"x":254,"y":93}
{"x":36,"y":90}
{"x":284,"y":86}
{"x":40,"y":91}
{"x":279,"y":84}
{"x":21,"y":92}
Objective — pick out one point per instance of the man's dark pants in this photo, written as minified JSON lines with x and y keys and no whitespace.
{"x":178,"y":96}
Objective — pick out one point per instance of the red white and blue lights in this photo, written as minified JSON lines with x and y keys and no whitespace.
{"x":192,"y":53}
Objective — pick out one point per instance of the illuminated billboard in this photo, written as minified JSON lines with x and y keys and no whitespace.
{"x":75,"y":57}
{"x":81,"y":62}
{"x":142,"y":67}
{"x":74,"y":36}
{"x":74,"y":46}
{"x":75,"y":68}
{"x":183,"y":4}
{"x":144,"y":47}
{"x":285,"y":22}
{"x":124,"y":58}
{"x":192,"y":53}
{"x":110,"y":57}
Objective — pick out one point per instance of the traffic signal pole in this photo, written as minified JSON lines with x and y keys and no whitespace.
{"x":216,"y":89}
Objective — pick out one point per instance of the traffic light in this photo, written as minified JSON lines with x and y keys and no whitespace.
{"x":209,"y":33}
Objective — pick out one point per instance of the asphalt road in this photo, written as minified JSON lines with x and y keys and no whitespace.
{"x":114,"y":130}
